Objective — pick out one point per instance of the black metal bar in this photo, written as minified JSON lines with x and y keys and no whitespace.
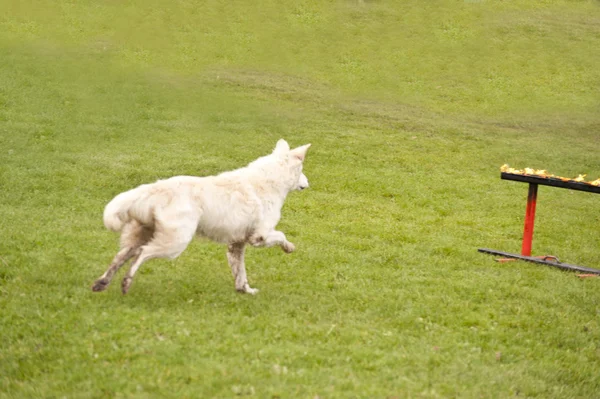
{"x":564,"y":266}
{"x":551,"y":181}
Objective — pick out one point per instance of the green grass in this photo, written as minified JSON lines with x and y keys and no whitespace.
{"x":411,"y":108}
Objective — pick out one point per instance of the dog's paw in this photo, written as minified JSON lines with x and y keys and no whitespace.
{"x":100,"y":284}
{"x":126,"y":284}
{"x":246,"y":289}
{"x":288,"y":247}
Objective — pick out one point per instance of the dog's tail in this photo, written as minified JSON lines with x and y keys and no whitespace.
{"x":118,"y":211}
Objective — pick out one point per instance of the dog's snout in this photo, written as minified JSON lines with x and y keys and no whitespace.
{"x":303,"y":183}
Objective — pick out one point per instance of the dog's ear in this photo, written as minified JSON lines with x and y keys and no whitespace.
{"x":300,"y":152}
{"x":281,"y":147}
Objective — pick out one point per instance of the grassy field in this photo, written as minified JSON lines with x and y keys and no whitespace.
{"x":411,"y":108}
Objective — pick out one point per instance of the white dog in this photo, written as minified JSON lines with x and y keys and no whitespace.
{"x":235,"y":208}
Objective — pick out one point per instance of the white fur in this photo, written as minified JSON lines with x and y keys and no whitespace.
{"x":234,"y":208}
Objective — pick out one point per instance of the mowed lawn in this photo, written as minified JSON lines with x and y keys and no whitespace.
{"x":411,"y":108}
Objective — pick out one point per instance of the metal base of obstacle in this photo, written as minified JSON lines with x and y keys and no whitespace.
{"x":546,"y":260}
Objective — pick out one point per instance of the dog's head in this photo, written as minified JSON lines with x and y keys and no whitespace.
{"x":293,"y":160}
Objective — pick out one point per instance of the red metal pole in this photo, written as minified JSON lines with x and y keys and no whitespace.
{"x":529,"y":218}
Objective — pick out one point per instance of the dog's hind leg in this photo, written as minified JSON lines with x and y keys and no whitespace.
{"x":122,"y":256}
{"x":168,"y":242}
{"x":235,"y":257}
{"x":134,"y":235}
{"x":272,"y":238}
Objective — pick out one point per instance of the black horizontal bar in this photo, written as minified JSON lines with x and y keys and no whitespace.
{"x":551,"y":181}
{"x":564,"y":266}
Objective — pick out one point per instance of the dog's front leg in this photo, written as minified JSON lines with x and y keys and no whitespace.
{"x":272,"y":238}
{"x":235,"y":256}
